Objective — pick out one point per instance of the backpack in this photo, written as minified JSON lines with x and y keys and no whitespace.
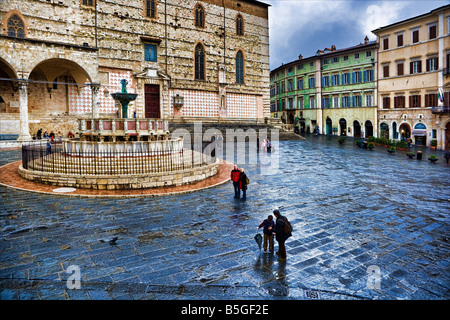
{"x":287,"y":228}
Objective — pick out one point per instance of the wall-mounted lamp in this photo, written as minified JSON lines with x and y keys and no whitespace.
{"x":178,"y":101}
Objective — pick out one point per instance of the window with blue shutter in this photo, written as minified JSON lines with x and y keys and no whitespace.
{"x":150,"y":51}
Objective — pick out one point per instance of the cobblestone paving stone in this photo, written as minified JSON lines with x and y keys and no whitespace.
{"x":350,"y":209}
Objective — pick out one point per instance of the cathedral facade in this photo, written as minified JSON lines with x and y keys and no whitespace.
{"x":60,"y":61}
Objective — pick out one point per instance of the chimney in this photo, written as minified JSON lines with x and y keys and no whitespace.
{"x":333,"y":48}
{"x":366,"y":40}
{"x":300,"y":57}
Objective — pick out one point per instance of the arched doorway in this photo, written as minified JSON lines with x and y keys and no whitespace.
{"x":8,"y":100}
{"x":329,"y":126}
{"x":356,"y":129}
{"x":55,"y":84}
{"x":343,"y":127}
{"x":384,"y":131}
{"x":368,"y":129}
{"x":420,"y":134}
{"x":405,"y":131}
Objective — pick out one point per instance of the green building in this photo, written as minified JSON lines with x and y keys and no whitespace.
{"x":334,"y":91}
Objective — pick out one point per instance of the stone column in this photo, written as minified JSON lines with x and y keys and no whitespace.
{"x":24,"y":134}
{"x":95,"y":100}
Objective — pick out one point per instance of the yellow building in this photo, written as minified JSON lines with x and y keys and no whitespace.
{"x":414,"y":80}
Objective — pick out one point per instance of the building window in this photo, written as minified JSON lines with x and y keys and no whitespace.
{"x":239,"y":25}
{"x":386,"y":71}
{"x":150,"y":52}
{"x":432,"y":32}
{"x":368,"y":100}
{"x":356,"y":77}
{"x":432,"y":64}
{"x":312,"y":102}
{"x":300,"y":103}
{"x":239,"y":67}
{"x":431,"y":100}
{"x":335,"y":102}
{"x":345,"y":58}
{"x":150,"y":8}
{"x":356,"y":55}
{"x":16,"y":27}
{"x":346,"y":78}
{"x":199,"y":16}
{"x":325,"y":81}
{"x":290,"y":85}
{"x":400,"y":69}
{"x":300,"y":84}
{"x":335,"y":60}
{"x":368,"y":75}
{"x":357,"y":101}
{"x":312,"y":82}
{"x":414,"y":101}
{"x":399,"y":102}
{"x":345,"y":101}
{"x":368,"y":54}
{"x":199,"y":62}
{"x":415,"y":36}
{"x":386,"y":102}
{"x":400,"y":40}
{"x":335,"y":80}
{"x":415,"y":67}
{"x":385,"y":43}
{"x":89,"y":3}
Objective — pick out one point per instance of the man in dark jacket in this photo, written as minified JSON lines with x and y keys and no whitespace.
{"x":235,"y":178}
{"x":243,"y":184}
{"x":280,"y":235}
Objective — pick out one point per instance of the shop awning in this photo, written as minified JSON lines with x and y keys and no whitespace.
{"x":420,"y":133}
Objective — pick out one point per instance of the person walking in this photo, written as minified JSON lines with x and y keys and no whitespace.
{"x":49,"y":147}
{"x":447,"y":156}
{"x":235,"y":179}
{"x":283,"y":231}
{"x":268,"y":225}
{"x":243,"y":182}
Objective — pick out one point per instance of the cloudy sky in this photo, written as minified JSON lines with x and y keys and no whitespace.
{"x":305,"y":26}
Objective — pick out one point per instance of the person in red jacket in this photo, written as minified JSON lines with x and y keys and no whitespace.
{"x":235,"y":179}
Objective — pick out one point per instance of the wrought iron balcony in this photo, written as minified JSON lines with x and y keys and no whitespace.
{"x":440,"y":109}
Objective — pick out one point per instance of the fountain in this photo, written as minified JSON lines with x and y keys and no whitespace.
{"x":118,"y":153}
{"x":124,"y":97}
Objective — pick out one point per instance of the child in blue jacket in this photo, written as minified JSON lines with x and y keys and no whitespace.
{"x":268,"y":225}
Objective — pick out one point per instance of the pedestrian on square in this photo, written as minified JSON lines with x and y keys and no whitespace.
{"x":447,"y":156}
{"x":243,"y":182}
{"x":283,"y":231}
{"x":39,"y":134}
{"x":235,"y":179}
{"x":268,"y":225}
{"x":46,"y":135}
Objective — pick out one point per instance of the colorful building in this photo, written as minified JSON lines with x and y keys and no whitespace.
{"x":414,"y":79}
{"x":333,"y":91}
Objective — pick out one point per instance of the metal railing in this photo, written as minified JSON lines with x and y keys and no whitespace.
{"x":38,"y":156}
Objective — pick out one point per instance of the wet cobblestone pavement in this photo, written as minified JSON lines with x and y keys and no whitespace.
{"x":352,"y":210}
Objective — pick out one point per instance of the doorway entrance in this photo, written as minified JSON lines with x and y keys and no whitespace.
{"x":152,"y":108}
{"x":447,"y":136}
{"x":356,"y":129}
{"x":343,"y":125}
{"x":329,"y":126}
{"x":368,"y":129}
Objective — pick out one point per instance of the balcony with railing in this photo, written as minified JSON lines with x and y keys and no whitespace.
{"x":440,"y":109}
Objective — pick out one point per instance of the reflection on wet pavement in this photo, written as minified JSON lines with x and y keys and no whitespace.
{"x":350,"y":208}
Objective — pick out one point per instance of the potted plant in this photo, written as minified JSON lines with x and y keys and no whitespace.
{"x":341,"y":140}
{"x":358,"y":143}
{"x":391,"y":150}
{"x":433,"y":158}
{"x":370,"y":145}
{"x":433,"y":144}
{"x":410,"y":154}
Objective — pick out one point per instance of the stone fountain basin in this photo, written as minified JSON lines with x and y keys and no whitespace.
{"x":124,"y":97}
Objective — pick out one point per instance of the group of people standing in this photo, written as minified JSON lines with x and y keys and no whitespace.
{"x":240,"y":182}
{"x":280,"y":229}
{"x":266,"y":145}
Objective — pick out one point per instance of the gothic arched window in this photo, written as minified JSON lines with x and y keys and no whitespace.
{"x":199,"y":16}
{"x":199,"y":62}
{"x":239,"y":25}
{"x":239,"y":67}
{"x":16,"y":27}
